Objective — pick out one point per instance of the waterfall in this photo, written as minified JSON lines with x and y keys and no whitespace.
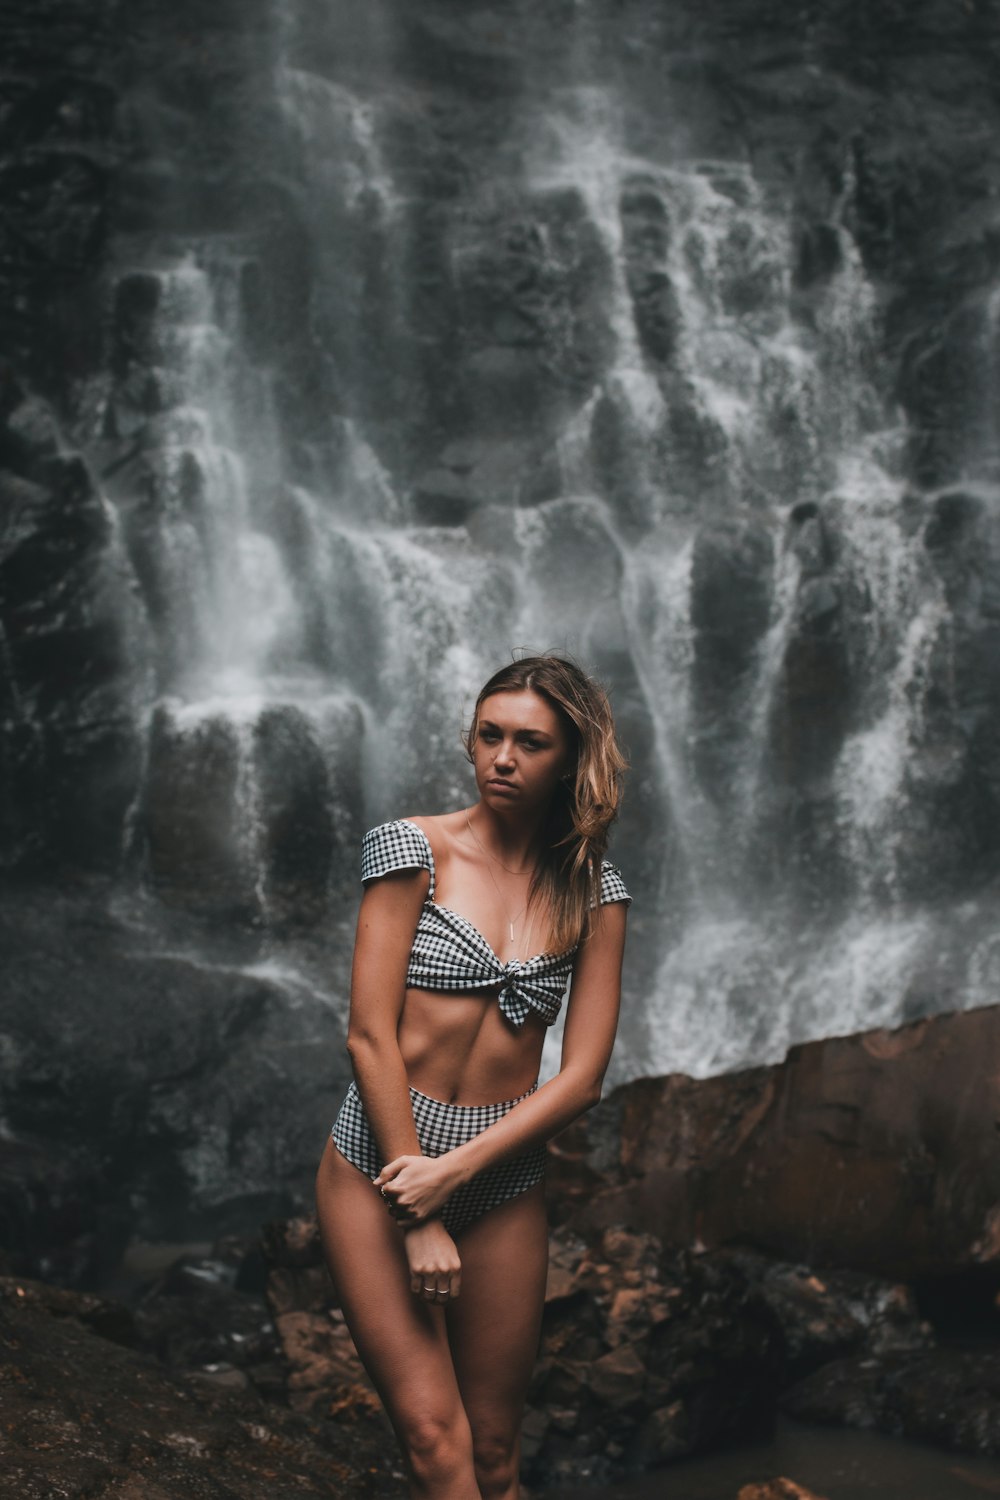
{"x":544,"y":375}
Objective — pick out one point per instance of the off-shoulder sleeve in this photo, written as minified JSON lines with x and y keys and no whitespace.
{"x":399,"y":845}
{"x":612,"y":884}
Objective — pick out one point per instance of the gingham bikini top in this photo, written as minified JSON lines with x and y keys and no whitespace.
{"x":450,"y":953}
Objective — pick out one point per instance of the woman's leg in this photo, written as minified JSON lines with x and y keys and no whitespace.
{"x":494,"y":1329}
{"x":402,"y":1340}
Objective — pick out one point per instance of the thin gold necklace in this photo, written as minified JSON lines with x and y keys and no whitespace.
{"x":503,"y":905}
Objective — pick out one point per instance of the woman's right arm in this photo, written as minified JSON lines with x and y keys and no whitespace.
{"x":387,"y":921}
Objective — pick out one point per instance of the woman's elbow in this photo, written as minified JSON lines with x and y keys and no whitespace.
{"x":589,"y":1091}
{"x":363,"y":1042}
{"x":595,"y":1093}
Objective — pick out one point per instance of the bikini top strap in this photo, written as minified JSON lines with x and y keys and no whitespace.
{"x":399,"y":845}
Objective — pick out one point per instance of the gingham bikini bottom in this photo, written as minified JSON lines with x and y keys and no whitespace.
{"x":440,"y":1128}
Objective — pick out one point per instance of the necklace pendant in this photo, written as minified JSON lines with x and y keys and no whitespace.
{"x":511,"y":926}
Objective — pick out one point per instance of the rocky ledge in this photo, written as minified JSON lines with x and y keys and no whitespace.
{"x":650,"y":1353}
{"x":233,"y":1375}
{"x":817,"y":1238}
{"x":877,"y":1151}
{"x":85,"y":1413}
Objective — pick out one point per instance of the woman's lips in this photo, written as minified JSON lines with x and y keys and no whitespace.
{"x":501,"y":786}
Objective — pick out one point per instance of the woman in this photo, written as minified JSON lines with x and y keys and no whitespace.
{"x":429,"y":1193}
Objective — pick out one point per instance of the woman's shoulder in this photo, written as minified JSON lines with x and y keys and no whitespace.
{"x":399,"y":844}
{"x":613,"y":887}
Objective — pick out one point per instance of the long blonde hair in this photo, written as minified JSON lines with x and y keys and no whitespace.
{"x":586,"y":802}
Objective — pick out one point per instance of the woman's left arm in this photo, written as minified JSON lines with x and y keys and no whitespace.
{"x":591,"y":1023}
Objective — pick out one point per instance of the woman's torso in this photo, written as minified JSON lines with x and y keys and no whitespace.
{"x":457,"y":1045}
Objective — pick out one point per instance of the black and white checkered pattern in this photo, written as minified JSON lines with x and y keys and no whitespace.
{"x":449,"y":953}
{"x":440,"y":1128}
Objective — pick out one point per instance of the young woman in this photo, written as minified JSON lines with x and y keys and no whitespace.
{"x":430,"y":1193}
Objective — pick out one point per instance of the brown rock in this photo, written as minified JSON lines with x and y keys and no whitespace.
{"x":876,"y":1151}
{"x":618,"y":1376}
{"x":647,"y":1356}
{"x":322,"y":1359}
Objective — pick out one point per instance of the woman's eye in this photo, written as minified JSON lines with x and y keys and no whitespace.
{"x":488,"y":736}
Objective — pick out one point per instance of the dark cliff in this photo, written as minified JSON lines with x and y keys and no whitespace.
{"x":344,"y":347}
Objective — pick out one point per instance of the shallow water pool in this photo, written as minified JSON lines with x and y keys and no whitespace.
{"x":834,"y":1463}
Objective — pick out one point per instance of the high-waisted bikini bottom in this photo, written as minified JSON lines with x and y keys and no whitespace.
{"x":440,"y":1128}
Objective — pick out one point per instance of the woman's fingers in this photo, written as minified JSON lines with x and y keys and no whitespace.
{"x":391,"y":1190}
{"x":435,"y":1288}
{"x":438,"y":1279}
{"x":393,"y":1168}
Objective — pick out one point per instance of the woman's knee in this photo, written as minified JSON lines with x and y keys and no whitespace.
{"x":437,"y":1444}
{"x":496,"y":1455}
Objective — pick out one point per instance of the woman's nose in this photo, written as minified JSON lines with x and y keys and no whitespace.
{"x":505,"y":754}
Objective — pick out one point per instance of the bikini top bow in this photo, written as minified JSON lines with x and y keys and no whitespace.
{"x":449,"y":953}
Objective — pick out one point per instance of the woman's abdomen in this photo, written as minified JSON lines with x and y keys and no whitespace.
{"x":459,"y":1048}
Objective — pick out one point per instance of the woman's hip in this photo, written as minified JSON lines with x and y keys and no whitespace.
{"x":442,"y":1127}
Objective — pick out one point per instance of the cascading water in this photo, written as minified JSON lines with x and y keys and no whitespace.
{"x":558,"y":382}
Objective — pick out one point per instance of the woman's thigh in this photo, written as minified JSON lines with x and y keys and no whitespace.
{"x":494,"y":1326}
{"x":401,"y":1339}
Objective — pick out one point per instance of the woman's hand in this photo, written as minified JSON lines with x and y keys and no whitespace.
{"x":435,"y":1269}
{"x":415,"y":1187}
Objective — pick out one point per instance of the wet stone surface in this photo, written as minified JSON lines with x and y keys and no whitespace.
{"x":85,"y":1416}
{"x":232,"y":1373}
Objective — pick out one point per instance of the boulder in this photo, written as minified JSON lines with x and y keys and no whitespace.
{"x":875,"y":1151}
{"x":948,"y":1397}
{"x":828,"y":1316}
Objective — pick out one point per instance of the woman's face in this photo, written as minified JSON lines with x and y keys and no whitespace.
{"x":521,"y":751}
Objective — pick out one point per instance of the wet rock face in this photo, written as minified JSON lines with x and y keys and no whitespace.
{"x":530,"y":303}
{"x":456,"y":277}
{"x":175,"y":1119}
{"x":646,"y":236}
{"x":730,"y":612}
{"x":71,"y":748}
{"x":247,"y":823}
